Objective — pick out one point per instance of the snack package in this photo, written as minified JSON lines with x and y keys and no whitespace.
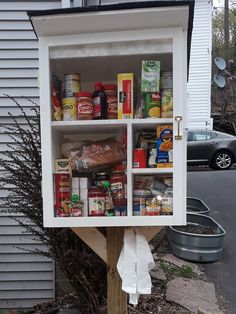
{"x":164,"y":157}
{"x":56,"y":98}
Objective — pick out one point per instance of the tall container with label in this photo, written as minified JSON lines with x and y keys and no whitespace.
{"x":99,"y":43}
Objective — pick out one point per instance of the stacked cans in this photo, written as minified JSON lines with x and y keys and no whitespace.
{"x":71,"y":88}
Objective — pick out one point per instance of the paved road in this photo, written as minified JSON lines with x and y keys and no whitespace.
{"x":218,"y":190}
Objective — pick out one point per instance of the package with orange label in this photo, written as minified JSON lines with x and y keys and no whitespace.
{"x":164,"y":158}
{"x":125,"y":95}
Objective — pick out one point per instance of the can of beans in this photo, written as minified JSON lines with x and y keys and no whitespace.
{"x":72,"y":85}
{"x":69,"y":109}
{"x":153,"y":207}
{"x":62,"y":193}
{"x":140,"y":158}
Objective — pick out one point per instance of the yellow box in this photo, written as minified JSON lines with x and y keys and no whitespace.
{"x":125,"y":82}
{"x":164,"y":157}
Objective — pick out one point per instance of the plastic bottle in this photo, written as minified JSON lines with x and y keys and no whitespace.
{"x":99,"y":102}
{"x":76,"y":207}
{"x":119,"y":192}
{"x":109,"y":207}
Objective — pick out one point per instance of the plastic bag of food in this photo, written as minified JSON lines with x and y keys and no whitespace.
{"x":96,"y":154}
{"x":158,"y":188}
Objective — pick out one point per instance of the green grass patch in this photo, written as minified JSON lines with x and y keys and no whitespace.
{"x":183,"y":271}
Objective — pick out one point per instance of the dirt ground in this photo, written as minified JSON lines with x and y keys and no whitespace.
{"x":148,"y":304}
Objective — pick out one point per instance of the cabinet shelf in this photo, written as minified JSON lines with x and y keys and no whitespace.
{"x":113,"y":221}
{"x":79,"y":125}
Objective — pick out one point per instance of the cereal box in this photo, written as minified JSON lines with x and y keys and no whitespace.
{"x":150,"y":80}
{"x":125,"y":95}
{"x":164,"y":158}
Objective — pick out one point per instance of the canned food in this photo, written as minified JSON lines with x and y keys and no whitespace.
{"x":69,"y":109}
{"x":140,"y":158}
{"x":97,"y":199}
{"x":167,"y":103}
{"x":167,"y":202}
{"x":153,"y":206}
{"x":72,"y":84}
{"x":167,"y":80}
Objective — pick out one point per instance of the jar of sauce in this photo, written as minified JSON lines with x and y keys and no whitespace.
{"x":101,"y":177}
{"x":96,"y":200}
{"x":84,"y":105}
{"x":111,"y":92}
{"x":119,"y":188}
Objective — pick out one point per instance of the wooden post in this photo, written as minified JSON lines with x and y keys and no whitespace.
{"x":116,"y":298}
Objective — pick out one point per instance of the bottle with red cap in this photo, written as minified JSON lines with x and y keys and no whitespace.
{"x":99,"y":102}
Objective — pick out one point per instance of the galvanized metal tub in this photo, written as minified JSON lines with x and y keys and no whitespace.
{"x":197,"y":247}
{"x":197,"y":206}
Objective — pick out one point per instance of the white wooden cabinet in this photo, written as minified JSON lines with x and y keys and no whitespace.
{"x":98,"y":43}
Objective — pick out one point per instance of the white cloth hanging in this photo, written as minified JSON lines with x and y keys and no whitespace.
{"x":135,"y":262}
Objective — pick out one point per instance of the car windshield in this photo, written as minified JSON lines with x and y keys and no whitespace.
{"x":201,"y":135}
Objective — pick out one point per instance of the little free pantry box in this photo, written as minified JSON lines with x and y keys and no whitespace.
{"x":98,"y":43}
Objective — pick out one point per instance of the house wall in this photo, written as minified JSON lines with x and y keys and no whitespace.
{"x":25,"y":278}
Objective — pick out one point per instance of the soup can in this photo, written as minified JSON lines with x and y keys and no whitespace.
{"x":72,"y":84}
{"x":167,"y":80}
{"x":69,"y":110}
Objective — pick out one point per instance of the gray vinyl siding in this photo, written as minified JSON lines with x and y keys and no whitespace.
{"x":26,"y":278}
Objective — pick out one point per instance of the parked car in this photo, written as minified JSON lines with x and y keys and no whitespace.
{"x":216,"y":149}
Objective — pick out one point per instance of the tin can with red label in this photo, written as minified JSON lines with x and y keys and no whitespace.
{"x":140,"y":158}
{"x":62,"y":192}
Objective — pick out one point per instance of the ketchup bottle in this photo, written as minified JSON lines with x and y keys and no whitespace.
{"x":99,"y":102}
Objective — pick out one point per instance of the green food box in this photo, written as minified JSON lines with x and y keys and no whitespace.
{"x":150,"y":81}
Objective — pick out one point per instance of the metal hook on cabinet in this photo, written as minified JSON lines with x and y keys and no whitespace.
{"x":178,"y":136}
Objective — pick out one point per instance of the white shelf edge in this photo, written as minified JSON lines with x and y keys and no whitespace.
{"x":59,"y":124}
{"x":152,"y":170}
{"x":124,"y":221}
{"x":85,"y":123}
{"x":151,"y":121}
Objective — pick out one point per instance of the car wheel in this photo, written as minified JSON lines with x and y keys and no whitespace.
{"x":222,"y":160}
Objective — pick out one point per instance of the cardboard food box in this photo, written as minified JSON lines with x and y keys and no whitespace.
{"x":125,"y":95}
{"x":150,"y":80}
{"x":62,"y":166}
{"x":164,"y":157}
